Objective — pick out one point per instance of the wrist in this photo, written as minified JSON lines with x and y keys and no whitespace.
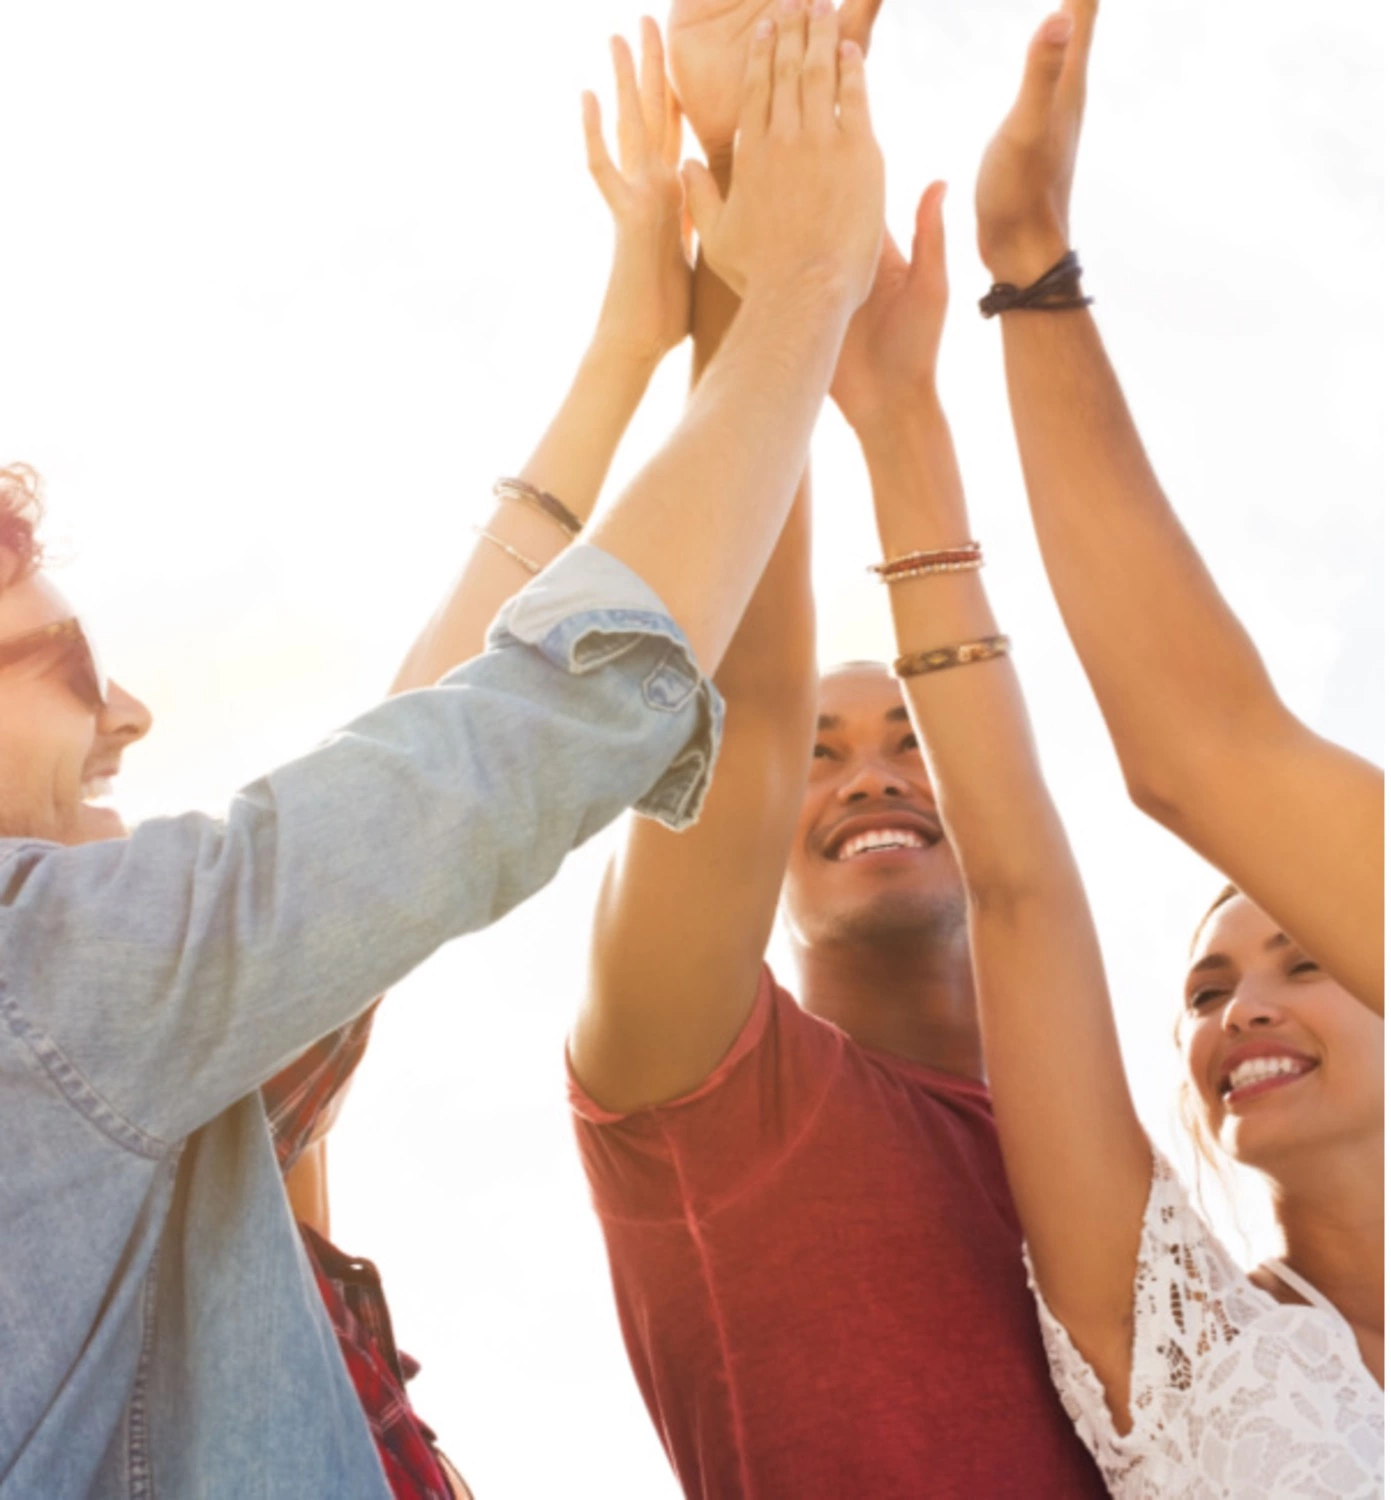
{"x":822,"y":289}
{"x":918,"y":499}
{"x":892,"y":423}
{"x":1022,"y":259}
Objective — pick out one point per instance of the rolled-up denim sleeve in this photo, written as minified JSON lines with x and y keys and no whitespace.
{"x":158,"y":978}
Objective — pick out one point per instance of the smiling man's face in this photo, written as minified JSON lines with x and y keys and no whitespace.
{"x":868,"y":860}
{"x":60,"y":741}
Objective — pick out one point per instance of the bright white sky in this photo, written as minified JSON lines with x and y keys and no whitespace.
{"x":289,"y":283}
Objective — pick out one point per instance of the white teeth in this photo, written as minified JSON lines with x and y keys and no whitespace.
{"x":1258,"y":1069}
{"x":881,"y":838}
{"x":98,"y":787}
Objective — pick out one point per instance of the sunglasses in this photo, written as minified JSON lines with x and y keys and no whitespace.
{"x":69,"y":645}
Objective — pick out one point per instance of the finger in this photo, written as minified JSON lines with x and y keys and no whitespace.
{"x":601,"y":167}
{"x":671,"y":138}
{"x":632,"y":134}
{"x":857,"y":20}
{"x":854,"y":94}
{"x":703,"y":200}
{"x":819,"y":68}
{"x":929,"y":236}
{"x":1072,"y":86}
{"x":785,"y":112}
{"x":653,"y":82}
{"x":758,"y":81}
{"x":1043,"y":67}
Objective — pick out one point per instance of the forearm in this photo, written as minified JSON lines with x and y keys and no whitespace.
{"x":1077,"y":1157}
{"x":771,"y":660}
{"x":570,"y":462}
{"x":1003,"y":826}
{"x":1172,"y":667}
{"x":701,"y":521}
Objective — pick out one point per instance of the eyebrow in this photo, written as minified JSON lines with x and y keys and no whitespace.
{"x":897,"y":715}
{"x":1212,"y":961}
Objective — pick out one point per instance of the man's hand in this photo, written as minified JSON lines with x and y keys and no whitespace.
{"x":709,"y":42}
{"x":647,"y":309}
{"x":1024,"y":190}
{"x":807,"y":193}
{"x":888,"y":364}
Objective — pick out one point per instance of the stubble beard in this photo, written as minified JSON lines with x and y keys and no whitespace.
{"x":901,"y":918}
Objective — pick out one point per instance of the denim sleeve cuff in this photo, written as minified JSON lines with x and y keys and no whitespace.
{"x":587,"y":611}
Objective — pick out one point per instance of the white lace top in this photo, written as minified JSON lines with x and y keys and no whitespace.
{"x":1233,"y":1395}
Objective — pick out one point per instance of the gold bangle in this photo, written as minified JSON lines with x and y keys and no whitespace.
{"x":526,"y":493}
{"x":520,"y":557}
{"x":965,"y":654}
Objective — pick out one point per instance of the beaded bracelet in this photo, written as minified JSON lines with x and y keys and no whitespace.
{"x":528,"y":563}
{"x":964,"y":654}
{"x":538,"y":499}
{"x":917,"y":564}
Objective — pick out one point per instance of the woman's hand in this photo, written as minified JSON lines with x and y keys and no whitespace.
{"x":647,"y":309}
{"x":888,"y":363}
{"x":709,"y":48}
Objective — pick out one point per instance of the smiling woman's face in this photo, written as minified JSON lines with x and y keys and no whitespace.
{"x":1281,"y":1057}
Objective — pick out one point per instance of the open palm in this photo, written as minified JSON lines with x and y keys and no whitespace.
{"x":888,"y":363}
{"x":707,"y":43}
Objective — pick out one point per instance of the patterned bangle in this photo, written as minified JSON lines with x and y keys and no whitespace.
{"x":537,"y":499}
{"x":962,"y":565}
{"x":528,"y":563}
{"x":914,"y":564}
{"x":943,"y":658}
{"x":1059,"y":289}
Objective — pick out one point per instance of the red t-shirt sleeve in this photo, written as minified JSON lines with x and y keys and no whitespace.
{"x":709,"y":1146}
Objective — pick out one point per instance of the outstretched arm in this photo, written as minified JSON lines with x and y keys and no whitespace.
{"x":645,"y":313}
{"x":1206,"y":744}
{"x":652,"y":1029}
{"x":1078,"y":1160}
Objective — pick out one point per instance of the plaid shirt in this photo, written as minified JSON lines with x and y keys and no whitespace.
{"x":296,"y":1101}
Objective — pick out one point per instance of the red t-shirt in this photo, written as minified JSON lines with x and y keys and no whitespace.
{"x":820,"y":1278}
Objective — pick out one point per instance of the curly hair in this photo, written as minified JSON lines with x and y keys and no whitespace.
{"x":21,"y":510}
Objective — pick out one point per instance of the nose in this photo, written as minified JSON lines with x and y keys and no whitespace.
{"x":868,"y":780}
{"x":1250,"y":1008}
{"x":125,"y":718}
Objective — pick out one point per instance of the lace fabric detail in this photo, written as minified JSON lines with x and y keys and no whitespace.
{"x":1233,"y":1395}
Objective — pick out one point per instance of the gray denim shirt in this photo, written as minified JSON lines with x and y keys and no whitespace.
{"x":161,"y":1334}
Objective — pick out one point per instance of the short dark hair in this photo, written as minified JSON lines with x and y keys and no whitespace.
{"x":21,"y":510}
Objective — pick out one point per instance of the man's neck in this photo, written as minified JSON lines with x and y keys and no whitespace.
{"x":910,"y":995}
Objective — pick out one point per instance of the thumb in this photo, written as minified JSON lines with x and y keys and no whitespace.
{"x":703,"y":200}
{"x":929,"y":236}
{"x":1042,"y":70}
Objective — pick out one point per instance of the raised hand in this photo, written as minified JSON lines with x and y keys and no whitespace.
{"x":807,"y":191}
{"x":1024,"y":189}
{"x":647,"y":309}
{"x":888,"y":363}
{"x":709,"y":42}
